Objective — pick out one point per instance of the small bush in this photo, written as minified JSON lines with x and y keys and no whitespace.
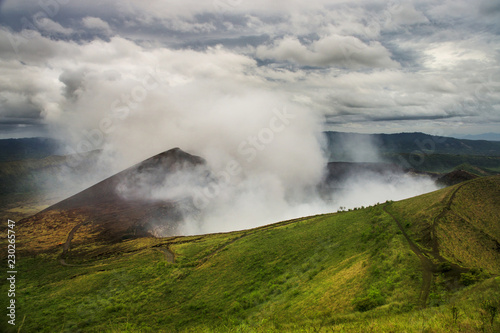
{"x":473,"y":276}
{"x":372,"y":300}
{"x":444,"y":267}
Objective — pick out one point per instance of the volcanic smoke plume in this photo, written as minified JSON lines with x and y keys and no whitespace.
{"x":263,"y":147}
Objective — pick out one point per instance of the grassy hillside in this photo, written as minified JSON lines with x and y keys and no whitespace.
{"x":461,"y":223}
{"x":398,"y":266}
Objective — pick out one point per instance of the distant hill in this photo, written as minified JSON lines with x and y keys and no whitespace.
{"x":36,"y":175}
{"x":27,"y":148}
{"x":455,"y":177}
{"x":339,"y":144}
{"x":429,"y":263}
{"x":418,"y":151}
{"x":485,"y":136}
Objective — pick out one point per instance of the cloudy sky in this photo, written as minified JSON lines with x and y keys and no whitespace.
{"x":131,"y":69}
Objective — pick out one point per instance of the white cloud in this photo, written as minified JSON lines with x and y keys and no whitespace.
{"x":452,"y":54}
{"x":96,"y":24}
{"x":376,"y":60}
{"x":28,"y":91}
{"x":46,"y":24}
{"x":334,"y":50}
{"x":401,"y":14}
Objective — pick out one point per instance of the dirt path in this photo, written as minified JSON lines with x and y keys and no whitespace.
{"x":221,"y":247}
{"x":67,"y":244}
{"x":434,"y":240}
{"x":428,"y":267}
{"x":168,"y":254}
{"x":248,"y":233}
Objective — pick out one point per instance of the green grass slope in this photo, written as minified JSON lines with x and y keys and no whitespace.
{"x":461,"y":222}
{"x":374,"y":269}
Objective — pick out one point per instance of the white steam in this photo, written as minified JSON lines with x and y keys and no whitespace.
{"x":369,"y":188}
{"x":262,"y":144}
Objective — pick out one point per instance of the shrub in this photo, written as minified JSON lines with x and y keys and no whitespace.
{"x":473,"y":276}
{"x":370,"y":301}
{"x":444,"y":267}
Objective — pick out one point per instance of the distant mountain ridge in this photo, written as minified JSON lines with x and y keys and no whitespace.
{"x":338,"y":142}
{"x":36,"y":148}
{"x":418,"y":151}
{"x":411,"y":142}
{"x":485,"y":136}
{"x":28,"y":148}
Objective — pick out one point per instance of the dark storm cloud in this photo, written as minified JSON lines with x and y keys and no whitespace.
{"x":489,"y":7}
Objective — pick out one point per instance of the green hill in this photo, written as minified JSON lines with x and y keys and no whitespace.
{"x":429,"y":263}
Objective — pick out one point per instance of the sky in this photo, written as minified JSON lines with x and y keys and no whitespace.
{"x":121,"y":71}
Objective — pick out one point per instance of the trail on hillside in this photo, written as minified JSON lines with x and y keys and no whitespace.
{"x":220,"y":248}
{"x":67,"y":244}
{"x":428,"y":266}
{"x":434,"y":240}
{"x":454,"y":269}
{"x":168,"y":254}
{"x":245,"y":234}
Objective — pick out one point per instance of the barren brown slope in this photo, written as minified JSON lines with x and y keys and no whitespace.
{"x":148,"y":172}
{"x":114,"y":215}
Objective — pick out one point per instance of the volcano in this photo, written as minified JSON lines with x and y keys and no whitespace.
{"x":122,"y":206}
